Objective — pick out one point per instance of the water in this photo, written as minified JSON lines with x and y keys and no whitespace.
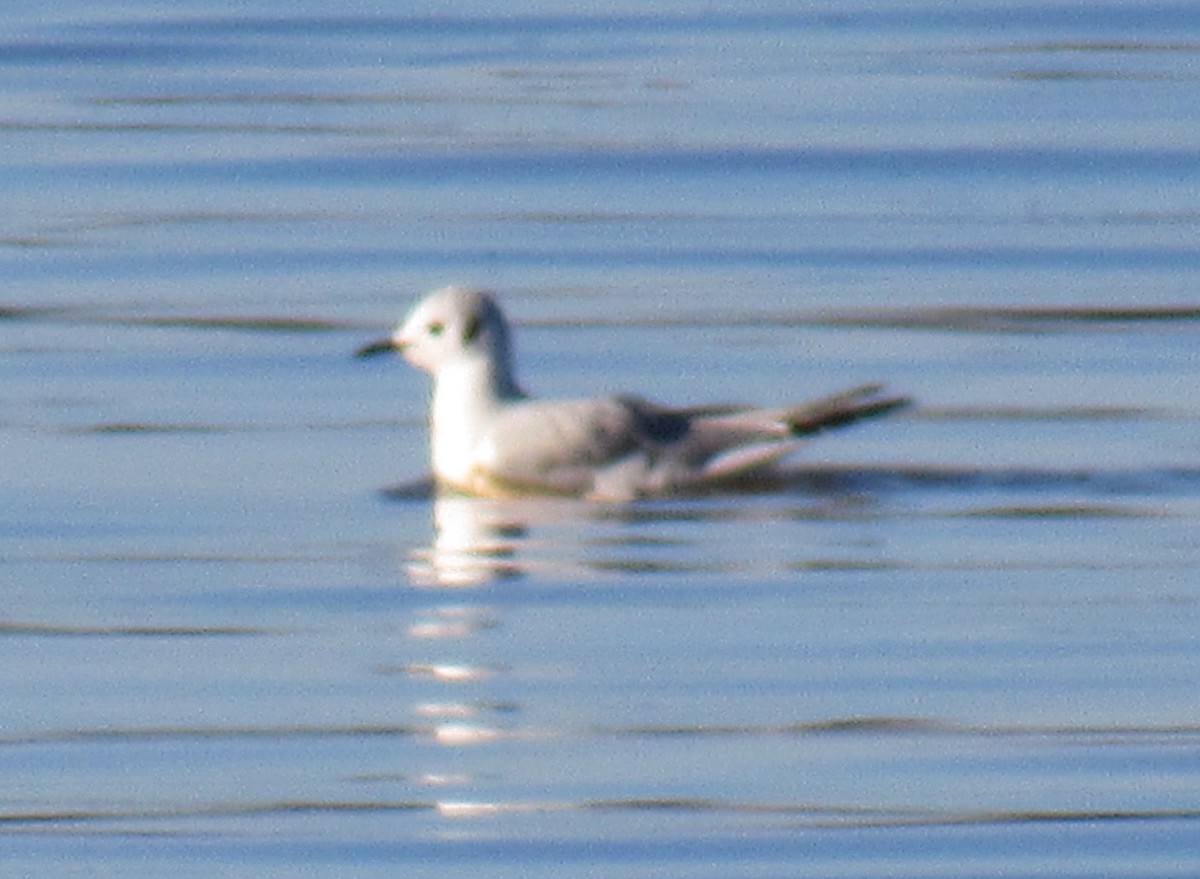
{"x":239,"y":635}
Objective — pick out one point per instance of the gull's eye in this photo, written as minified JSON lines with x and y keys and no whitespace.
{"x":436,"y":328}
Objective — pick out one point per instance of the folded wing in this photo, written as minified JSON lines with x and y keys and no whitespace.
{"x":621,"y":447}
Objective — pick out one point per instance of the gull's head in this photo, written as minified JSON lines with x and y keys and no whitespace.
{"x":450,"y":326}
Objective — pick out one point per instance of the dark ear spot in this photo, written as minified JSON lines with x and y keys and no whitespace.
{"x":471,"y":331}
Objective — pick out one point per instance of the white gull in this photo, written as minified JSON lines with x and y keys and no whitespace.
{"x":488,"y":437}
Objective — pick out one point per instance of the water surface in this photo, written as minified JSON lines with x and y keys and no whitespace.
{"x":239,"y":633}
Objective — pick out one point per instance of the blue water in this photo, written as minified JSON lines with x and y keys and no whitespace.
{"x":239,"y":636}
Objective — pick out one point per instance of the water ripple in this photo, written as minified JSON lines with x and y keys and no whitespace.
{"x":58,"y":630}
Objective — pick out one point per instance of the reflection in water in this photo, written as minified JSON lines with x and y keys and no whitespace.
{"x":453,"y":711}
{"x":485,"y":716}
{"x":477,"y":540}
{"x":761,"y":527}
{"x":818,"y":517}
{"x":465,"y":707}
{"x":480,"y":540}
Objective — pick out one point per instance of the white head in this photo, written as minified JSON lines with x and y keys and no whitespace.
{"x":455,"y":327}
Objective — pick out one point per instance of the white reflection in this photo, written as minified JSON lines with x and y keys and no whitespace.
{"x":477,"y":540}
{"x":435,"y":629}
{"x":451,"y":672}
{"x":451,"y":809}
{"x":480,"y":540}
{"x":458,"y":734}
{"x":452,"y":623}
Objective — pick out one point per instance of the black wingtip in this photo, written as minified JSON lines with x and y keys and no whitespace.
{"x":843,"y":409}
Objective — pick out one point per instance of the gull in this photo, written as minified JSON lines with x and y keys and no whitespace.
{"x":490,"y":438}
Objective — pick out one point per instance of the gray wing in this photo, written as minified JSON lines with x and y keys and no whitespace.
{"x":626,"y":446}
{"x":561,"y":445}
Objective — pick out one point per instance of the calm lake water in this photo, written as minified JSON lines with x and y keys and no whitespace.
{"x":239,"y":637}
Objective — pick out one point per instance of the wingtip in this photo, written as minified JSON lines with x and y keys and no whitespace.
{"x":846,"y":408}
{"x":886,"y":405}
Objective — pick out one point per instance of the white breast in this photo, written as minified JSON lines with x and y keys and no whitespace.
{"x":462,"y":404}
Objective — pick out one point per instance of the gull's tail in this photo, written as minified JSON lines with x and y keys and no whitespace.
{"x":735,"y":444}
